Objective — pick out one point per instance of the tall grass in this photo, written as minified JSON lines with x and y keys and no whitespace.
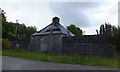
{"x":75,"y":59}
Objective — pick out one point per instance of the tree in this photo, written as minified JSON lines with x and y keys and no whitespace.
{"x":26,"y":32}
{"x":4,"y":23}
{"x":75,"y":30}
{"x":22,"y":31}
{"x":2,"y":14}
{"x":9,"y":29}
{"x":112,"y":34}
{"x":30,"y":31}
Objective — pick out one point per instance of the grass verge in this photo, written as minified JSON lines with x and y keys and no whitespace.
{"x":88,"y":60}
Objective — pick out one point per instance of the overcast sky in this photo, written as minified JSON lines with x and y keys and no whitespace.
{"x":87,"y":15}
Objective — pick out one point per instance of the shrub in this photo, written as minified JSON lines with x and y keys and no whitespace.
{"x":6,"y":44}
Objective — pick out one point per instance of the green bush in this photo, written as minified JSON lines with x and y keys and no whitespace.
{"x":6,"y":44}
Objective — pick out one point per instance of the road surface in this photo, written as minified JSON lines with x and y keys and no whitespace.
{"x":12,"y":63}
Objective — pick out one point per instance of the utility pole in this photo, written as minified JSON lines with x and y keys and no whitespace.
{"x":17,"y":36}
{"x":16,"y":33}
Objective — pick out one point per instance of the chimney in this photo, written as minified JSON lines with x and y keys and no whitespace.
{"x":56,"y":20}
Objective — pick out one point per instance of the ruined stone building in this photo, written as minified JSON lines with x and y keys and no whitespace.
{"x":49,"y":39}
{"x":54,"y":38}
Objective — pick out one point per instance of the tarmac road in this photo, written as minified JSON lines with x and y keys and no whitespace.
{"x":12,"y":63}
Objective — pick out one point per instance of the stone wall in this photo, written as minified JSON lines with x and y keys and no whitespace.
{"x":58,"y":43}
{"x":47,"y":43}
{"x":20,"y":43}
{"x":88,"y":45}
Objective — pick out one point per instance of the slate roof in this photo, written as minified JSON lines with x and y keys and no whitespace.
{"x":55,"y":29}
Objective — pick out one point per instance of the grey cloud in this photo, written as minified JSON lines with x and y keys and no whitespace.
{"x":72,"y":12}
{"x":113,"y":11}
